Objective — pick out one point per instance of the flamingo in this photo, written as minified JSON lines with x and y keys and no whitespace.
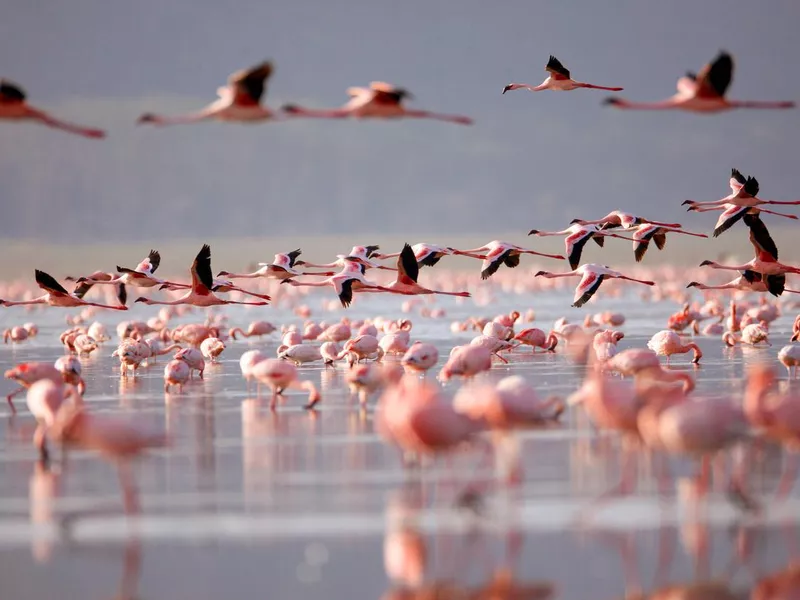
{"x":380,"y":100}
{"x":222,"y":286}
{"x":592,"y":275}
{"x":644,"y":366}
{"x":666,"y":343}
{"x":559,"y":80}
{"x":281,"y":267}
{"x":750,"y":281}
{"x":407,"y":274}
{"x":743,"y":193}
{"x":201,"y":293}
{"x":239,"y":101}
{"x":349,"y":280}
{"x":176,"y":373}
{"x":731,"y":213}
{"x":141,"y":276}
{"x":421,"y":357}
{"x":82,"y":286}
{"x":703,"y":92}
{"x":536,"y":338}
{"x":647,"y":232}
{"x":577,"y":236}
{"x":427,"y":255}
{"x":497,"y":253}
{"x":789,"y":356}
{"x":280,"y":375}
{"x":618,"y":218}
{"x":56,"y":295}
{"x":763,"y":263}
{"x":13,"y":107}
{"x":363,"y":255}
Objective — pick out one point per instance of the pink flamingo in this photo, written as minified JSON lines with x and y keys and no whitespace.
{"x":536,"y":338}
{"x":559,"y":80}
{"x":750,"y":281}
{"x":222,"y":286}
{"x":592,"y":276}
{"x":56,"y":295}
{"x":743,"y":194}
{"x":141,"y":276}
{"x":283,"y":266}
{"x":466,"y":361}
{"x":201,"y":293}
{"x":577,"y":236}
{"x":618,"y":218}
{"x":44,"y":398}
{"x":239,"y":101}
{"x":407,"y":274}
{"x":380,"y":100}
{"x":255,"y":329}
{"x":647,"y":232}
{"x":176,"y":373}
{"x":13,"y":107}
{"x":789,"y":356}
{"x":281,"y":375}
{"x":420,"y":357}
{"x":666,"y":343}
{"x":497,"y":253}
{"x":349,"y":280}
{"x":645,"y":367}
{"x":703,"y":92}
{"x":427,"y":255}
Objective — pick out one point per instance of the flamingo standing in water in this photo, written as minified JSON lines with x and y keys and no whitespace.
{"x":201,"y":293}
{"x":666,"y":343}
{"x":13,"y":107}
{"x":56,"y":295}
{"x":559,"y":80}
{"x":577,"y":236}
{"x":497,"y":253}
{"x":380,"y":100}
{"x":240,"y":101}
{"x":349,"y":280}
{"x":592,"y":276}
{"x":647,"y":232}
{"x":703,"y":92}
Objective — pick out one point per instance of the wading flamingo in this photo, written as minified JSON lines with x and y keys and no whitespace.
{"x":666,"y":343}
{"x":240,"y":101}
{"x":378,"y":101}
{"x":559,"y":80}
{"x":703,"y":92}
{"x":13,"y":107}
{"x":592,"y":275}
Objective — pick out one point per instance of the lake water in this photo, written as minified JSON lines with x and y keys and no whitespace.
{"x":292,"y":504}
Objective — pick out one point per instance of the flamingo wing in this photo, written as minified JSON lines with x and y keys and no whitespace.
{"x":574,"y":246}
{"x":293,"y":256}
{"x":493,"y":261}
{"x":407,"y":267}
{"x":751,"y":186}
{"x":775,"y":284}
{"x":511,"y":260}
{"x":250,"y":84}
{"x":729,"y":217}
{"x":737,"y":180}
{"x":386,"y":93}
{"x":11,"y":93}
{"x":346,"y":292}
{"x":371,"y":250}
{"x":556,"y":69}
{"x":715,"y":77}
{"x":600,"y":240}
{"x":122,"y":294}
{"x":589,"y":284}
{"x":660,"y":238}
{"x":49,"y":284}
{"x":428,"y":257}
{"x":759,"y":236}
{"x":202,"y":279}
{"x":149,"y":265}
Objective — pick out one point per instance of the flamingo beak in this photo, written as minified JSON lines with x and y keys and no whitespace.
{"x":507,"y":88}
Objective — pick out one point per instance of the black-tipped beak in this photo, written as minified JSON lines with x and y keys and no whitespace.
{"x":533,"y":232}
{"x":705,"y":263}
{"x":140,"y":299}
{"x":575,"y":222}
{"x":540,"y":273}
{"x":692,"y":284}
{"x":285,"y":281}
{"x":505,"y":89}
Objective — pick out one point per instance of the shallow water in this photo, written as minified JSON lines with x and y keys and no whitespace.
{"x":293,"y":504}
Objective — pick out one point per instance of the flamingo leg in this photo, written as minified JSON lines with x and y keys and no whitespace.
{"x":789,"y":476}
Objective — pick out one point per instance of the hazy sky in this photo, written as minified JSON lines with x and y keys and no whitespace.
{"x":530,"y":160}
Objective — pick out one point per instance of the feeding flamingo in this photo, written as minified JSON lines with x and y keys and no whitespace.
{"x":201,"y":293}
{"x":592,"y":275}
{"x":380,"y":100}
{"x":703,"y":92}
{"x":13,"y":107}
{"x":559,"y":80}
{"x":239,"y":101}
{"x":666,"y":343}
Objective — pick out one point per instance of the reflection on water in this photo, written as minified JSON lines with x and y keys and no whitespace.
{"x":297,"y":504}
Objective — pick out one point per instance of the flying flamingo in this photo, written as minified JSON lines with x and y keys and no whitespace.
{"x":592,"y":275}
{"x":763,"y":263}
{"x":223,"y":286}
{"x":380,"y":100}
{"x":497,"y":253}
{"x":703,"y":92}
{"x":13,"y":107}
{"x":201,"y":293}
{"x":407,"y":273}
{"x":559,"y":80}
{"x":56,"y":295}
{"x":240,"y":101}
{"x":363,"y":255}
{"x":349,"y":280}
{"x":427,"y":255}
{"x":647,"y":232}
{"x":577,"y":236}
{"x":743,"y":193}
{"x":618,"y":218}
{"x":750,"y":281}
{"x":141,"y":276}
{"x":283,"y":266}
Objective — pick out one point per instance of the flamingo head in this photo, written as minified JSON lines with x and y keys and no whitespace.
{"x":578,"y":222}
{"x":148,"y":118}
{"x":508,"y":88}
{"x":142,"y":299}
{"x":612,"y":101}
{"x":705,"y":263}
{"x":693,"y":284}
{"x":540,"y":273}
{"x":533,"y":232}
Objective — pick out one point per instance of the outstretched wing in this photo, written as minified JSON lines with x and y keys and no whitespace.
{"x":556,"y":69}
{"x":715,"y":77}
{"x":386,"y":93}
{"x":49,"y":284}
{"x":293,"y":256}
{"x":759,"y":236}
{"x":407,"y":267}
{"x":371,"y":250}
{"x":775,"y":284}
{"x":346,"y":292}
{"x":122,"y":294}
{"x":751,"y":186}
{"x":729,"y":217}
{"x":202,"y":279}
{"x":737,"y":180}
{"x":492,"y":262}
{"x":589,"y":284}
{"x":250,"y":84}
{"x":11,"y":92}
{"x":149,"y":265}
